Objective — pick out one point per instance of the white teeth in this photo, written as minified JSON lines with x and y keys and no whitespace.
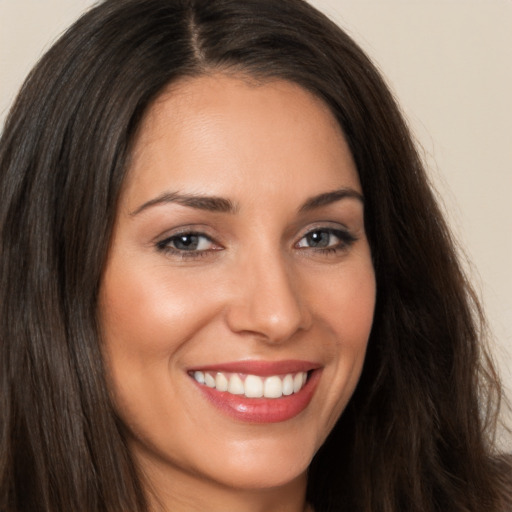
{"x":273,"y":387}
{"x":253,"y":386}
{"x":221,"y":383}
{"x":236,"y":386}
{"x":209,"y":380}
{"x":297,"y":382}
{"x":288,"y":385}
{"x":199,"y":376}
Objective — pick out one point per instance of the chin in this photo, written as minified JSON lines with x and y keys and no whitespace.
{"x":265,"y":469}
{"x":245,"y":463}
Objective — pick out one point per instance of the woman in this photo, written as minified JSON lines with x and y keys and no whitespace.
{"x":226,"y":283}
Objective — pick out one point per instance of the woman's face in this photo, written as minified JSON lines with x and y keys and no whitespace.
{"x":239,"y":266}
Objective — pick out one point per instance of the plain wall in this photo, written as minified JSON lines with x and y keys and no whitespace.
{"x":449,"y":63}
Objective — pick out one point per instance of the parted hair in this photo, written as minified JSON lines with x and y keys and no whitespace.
{"x":417,"y":436}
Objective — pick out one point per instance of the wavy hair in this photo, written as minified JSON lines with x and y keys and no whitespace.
{"x":417,"y":434}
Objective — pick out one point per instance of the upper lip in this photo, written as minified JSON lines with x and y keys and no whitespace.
{"x":261,"y":368}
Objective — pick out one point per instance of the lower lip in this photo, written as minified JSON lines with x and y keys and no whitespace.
{"x":262,"y":410}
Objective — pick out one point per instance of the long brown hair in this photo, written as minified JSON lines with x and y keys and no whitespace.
{"x":416,"y":435}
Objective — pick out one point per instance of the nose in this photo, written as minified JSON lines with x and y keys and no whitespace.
{"x":267,"y":301}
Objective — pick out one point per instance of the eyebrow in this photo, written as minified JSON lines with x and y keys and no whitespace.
{"x":223,"y":205}
{"x":328,"y":198}
{"x":199,"y":202}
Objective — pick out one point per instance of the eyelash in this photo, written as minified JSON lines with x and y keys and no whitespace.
{"x":346,"y":239}
{"x":166,"y":247}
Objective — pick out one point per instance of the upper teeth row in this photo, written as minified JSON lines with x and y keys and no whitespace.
{"x":253,"y":386}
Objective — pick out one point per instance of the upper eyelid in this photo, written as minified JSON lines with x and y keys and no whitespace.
{"x":324,"y":226}
{"x":184,"y":230}
{"x":182,"y":233}
{"x":202,"y":230}
{"x":336,"y":231}
{"x":327,"y":229}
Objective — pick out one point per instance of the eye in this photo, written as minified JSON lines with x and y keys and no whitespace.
{"x":187,"y":243}
{"x":326,"y":239}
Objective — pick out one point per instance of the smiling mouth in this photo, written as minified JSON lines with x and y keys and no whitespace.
{"x":252,"y":386}
{"x":258,"y":391}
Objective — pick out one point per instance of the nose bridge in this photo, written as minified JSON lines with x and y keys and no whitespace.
{"x":267,"y":301}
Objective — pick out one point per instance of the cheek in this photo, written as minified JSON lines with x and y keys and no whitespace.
{"x":145,"y":315}
{"x":346,"y":303}
{"x":354,"y":317}
{"x":146,"y":323}
{"x":346,"y":309}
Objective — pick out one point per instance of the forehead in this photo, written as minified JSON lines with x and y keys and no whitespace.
{"x":218,"y":132}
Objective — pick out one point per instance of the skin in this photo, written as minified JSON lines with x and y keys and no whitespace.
{"x":255,"y":288}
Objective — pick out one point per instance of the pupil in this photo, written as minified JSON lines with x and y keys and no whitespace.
{"x":187,"y":242}
{"x":318,"y":239}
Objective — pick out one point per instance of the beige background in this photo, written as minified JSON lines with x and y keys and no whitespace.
{"x":450,"y":65}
